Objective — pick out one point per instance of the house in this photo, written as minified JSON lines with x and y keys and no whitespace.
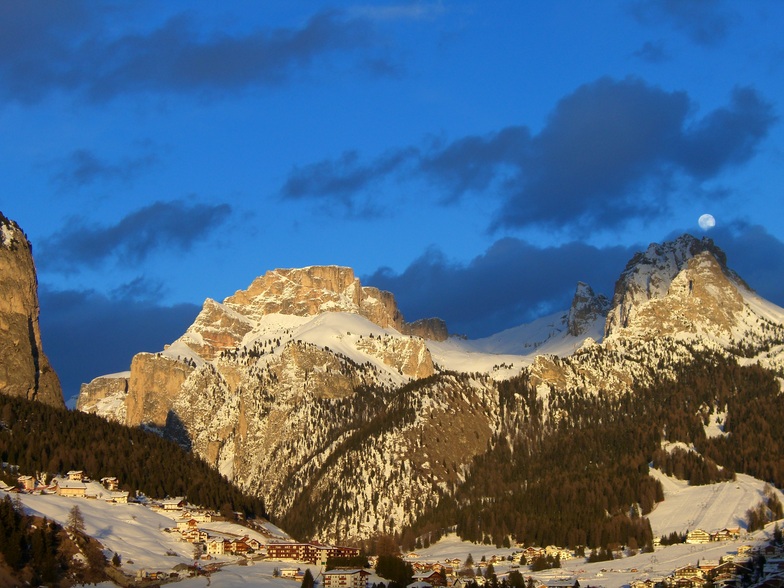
{"x":698,"y":536}
{"x":688,"y":571}
{"x":75,"y":475}
{"x":254,"y":544}
{"x":288,"y":573}
{"x":111,"y":483}
{"x":68,"y":487}
{"x":432,"y":577}
{"x":345,"y":579}
{"x":215,"y":547}
{"x":116,"y":497}
{"x":26,"y":483}
{"x":173,"y":503}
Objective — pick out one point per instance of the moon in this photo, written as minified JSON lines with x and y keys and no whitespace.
{"x":706,"y":222}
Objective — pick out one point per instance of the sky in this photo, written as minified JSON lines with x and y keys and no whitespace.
{"x":475,"y":158}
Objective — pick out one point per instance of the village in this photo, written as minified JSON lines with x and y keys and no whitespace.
{"x":216,"y":543}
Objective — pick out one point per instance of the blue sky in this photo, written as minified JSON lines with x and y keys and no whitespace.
{"x":477,"y":159}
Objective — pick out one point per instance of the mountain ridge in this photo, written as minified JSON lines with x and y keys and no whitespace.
{"x":304,"y":379}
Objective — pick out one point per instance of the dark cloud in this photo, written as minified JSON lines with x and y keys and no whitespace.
{"x":513,"y":282}
{"x":87,"y":334}
{"x":473,"y":163}
{"x":611,"y":151}
{"x":69,"y":46}
{"x":134,"y":237}
{"x":706,"y":22}
{"x":756,"y":255}
{"x":652,"y":52}
{"x":83,"y":167}
{"x":344,"y":178}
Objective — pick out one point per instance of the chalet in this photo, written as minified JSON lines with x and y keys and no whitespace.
{"x":744,"y":549}
{"x":173,"y":503}
{"x":116,"y":497}
{"x":698,"y":536}
{"x":254,"y":544}
{"x":688,"y":571}
{"x":215,"y":547}
{"x":707,"y":565}
{"x":239,"y":547}
{"x":199,"y":516}
{"x":69,"y":487}
{"x":26,"y":483}
{"x":345,"y":579}
{"x":185,"y":524}
{"x":288,"y":573}
{"x":433,"y":577}
{"x":75,"y":475}
{"x":194,"y":535}
{"x":111,"y":483}
{"x":728,"y":571}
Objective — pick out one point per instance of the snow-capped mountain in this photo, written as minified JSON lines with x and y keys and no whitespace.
{"x":312,"y":390}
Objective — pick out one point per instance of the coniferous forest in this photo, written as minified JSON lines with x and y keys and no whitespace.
{"x":38,"y":438}
{"x":576,"y":474}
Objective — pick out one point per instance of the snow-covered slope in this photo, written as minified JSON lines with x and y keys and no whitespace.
{"x":308,"y":377}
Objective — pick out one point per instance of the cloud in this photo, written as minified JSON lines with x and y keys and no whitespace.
{"x":756,"y":255}
{"x":511,"y":283}
{"x":134,"y":237}
{"x":71,"y":48}
{"x":343,"y":178}
{"x":612,"y":149}
{"x":87,"y":334}
{"x":610,"y":152}
{"x":652,"y":52}
{"x":82,"y":167}
{"x":705,"y":22}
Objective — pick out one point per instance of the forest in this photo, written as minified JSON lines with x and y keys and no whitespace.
{"x":37,"y":438}
{"x":576,"y":475}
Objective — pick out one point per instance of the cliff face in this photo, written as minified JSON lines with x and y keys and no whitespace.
{"x":24,"y":368}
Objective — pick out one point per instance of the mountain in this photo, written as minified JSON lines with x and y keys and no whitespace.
{"x":24,"y":368}
{"x":310,"y":390}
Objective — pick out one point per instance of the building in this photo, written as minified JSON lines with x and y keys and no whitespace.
{"x":111,"y":483}
{"x":68,"y":487}
{"x":698,"y":536}
{"x":215,"y":547}
{"x":75,"y":475}
{"x":26,"y":483}
{"x":308,"y":552}
{"x":346,"y":579}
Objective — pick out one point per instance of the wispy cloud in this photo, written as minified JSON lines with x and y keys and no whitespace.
{"x":705,"y":22}
{"x":83,"y":167}
{"x":610,"y":152}
{"x":64,"y":46}
{"x":134,"y":237}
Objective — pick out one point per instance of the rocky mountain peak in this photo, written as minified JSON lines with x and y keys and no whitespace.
{"x":24,"y":368}
{"x":303,"y":292}
{"x":676,"y":270}
{"x":586,"y":308}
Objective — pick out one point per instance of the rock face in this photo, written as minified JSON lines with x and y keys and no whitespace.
{"x":676,"y":271}
{"x":586,"y":308}
{"x":24,"y":368}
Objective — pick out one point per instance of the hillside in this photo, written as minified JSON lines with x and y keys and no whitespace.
{"x":312,"y":390}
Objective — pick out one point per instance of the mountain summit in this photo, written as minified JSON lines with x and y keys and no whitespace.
{"x":24,"y":368}
{"x":312,"y":390}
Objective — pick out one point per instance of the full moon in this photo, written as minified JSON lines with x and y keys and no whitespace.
{"x":706,"y":222}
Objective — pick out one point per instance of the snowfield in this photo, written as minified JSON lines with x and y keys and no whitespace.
{"x":140,"y":536}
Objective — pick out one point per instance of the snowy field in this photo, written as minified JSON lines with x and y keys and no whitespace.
{"x":138,"y":534}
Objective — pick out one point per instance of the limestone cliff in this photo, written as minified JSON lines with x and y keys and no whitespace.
{"x":24,"y":368}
